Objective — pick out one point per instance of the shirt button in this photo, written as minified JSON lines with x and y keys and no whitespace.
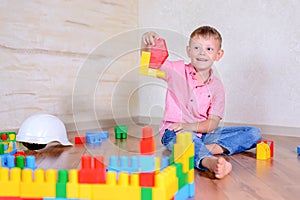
{"x":191,"y":100}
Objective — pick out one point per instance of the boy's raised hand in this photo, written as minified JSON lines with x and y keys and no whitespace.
{"x":148,"y":39}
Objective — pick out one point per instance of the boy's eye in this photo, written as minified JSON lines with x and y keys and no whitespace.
{"x":210,"y":49}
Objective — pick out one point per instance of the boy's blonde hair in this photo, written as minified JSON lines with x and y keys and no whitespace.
{"x":207,"y":32}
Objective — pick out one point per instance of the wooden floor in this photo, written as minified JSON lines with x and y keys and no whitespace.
{"x":277,"y":178}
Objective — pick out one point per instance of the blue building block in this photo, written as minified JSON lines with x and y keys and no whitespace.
{"x":165,"y":162}
{"x":134,"y":164}
{"x":10,"y":161}
{"x":124,"y":164}
{"x":147,"y":163}
{"x":93,"y":138}
{"x":298,"y":150}
{"x":183,"y":193}
{"x":113,"y":164}
{"x":191,"y":189}
{"x":102,"y":134}
{"x":30,"y":162}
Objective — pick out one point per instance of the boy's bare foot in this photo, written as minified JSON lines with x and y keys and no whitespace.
{"x":218,"y":165}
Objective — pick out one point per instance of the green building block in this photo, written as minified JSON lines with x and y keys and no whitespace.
{"x":182,"y":177}
{"x":121,"y":131}
{"x":191,"y":162}
{"x":61,"y":185}
{"x":20,"y":162}
{"x":146,"y":193}
{"x":1,"y":149}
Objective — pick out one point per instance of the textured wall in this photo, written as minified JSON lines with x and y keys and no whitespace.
{"x":261,"y":65}
{"x":44,"y":45}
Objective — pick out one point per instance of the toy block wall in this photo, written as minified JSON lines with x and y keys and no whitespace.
{"x":153,"y":178}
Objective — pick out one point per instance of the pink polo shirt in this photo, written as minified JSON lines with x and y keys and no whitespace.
{"x":186,"y":100}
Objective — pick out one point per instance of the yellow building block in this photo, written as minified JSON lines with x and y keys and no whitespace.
{"x":157,"y":165}
{"x":10,"y":186}
{"x":144,"y":67}
{"x":113,"y":190}
{"x":85,"y":191}
{"x":263,"y":151}
{"x":41,"y":186}
{"x":185,"y":161}
{"x":191,"y":176}
{"x":72,"y":185}
{"x":145,"y":59}
{"x":12,"y":136}
{"x":184,"y":146}
{"x":166,"y":184}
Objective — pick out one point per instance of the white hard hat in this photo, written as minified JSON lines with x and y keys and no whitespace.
{"x":43,"y":129}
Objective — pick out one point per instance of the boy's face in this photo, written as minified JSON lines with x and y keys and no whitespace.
{"x":204,"y":52}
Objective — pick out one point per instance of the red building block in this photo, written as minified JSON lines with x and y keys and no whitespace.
{"x":147,"y":179}
{"x":159,"y":53}
{"x":92,"y":173}
{"x":147,"y":143}
{"x":80,"y":140}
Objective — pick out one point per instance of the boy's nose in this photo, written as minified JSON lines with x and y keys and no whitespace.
{"x":201,"y":51}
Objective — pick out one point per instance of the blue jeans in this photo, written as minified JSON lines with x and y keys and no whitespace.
{"x":234,"y":139}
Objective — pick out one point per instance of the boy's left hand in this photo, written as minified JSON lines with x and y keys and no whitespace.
{"x":176,"y":127}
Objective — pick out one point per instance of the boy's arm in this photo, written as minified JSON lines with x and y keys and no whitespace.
{"x":203,"y":127}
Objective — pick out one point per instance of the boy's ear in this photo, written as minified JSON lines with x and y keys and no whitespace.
{"x":188,"y":49}
{"x":219,"y":54}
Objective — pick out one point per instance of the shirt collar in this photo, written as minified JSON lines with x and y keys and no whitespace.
{"x":192,"y":72}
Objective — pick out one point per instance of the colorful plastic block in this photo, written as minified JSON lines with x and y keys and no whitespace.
{"x":80,"y":139}
{"x":7,"y":143}
{"x":147,"y":143}
{"x":61,"y":185}
{"x":93,"y":138}
{"x":151,"y":61}
{"x":10,"y":182}
{"x":298,"y":150}
{"x":165,"y":162}
{"x":1,"y":149}
{"x":124,"y":166}
{"x":72,"y":186}
{"x":147,"y":163}
{"x":121,"y":131}
{"x":147,"y":179}
{"x":44,"y":181}
{"x":115,"y":190}
{"x":159,"y":53}
{"x":146,"y":193}
{"x":270,"y":143}
{"x":92,"y":173}
{"x":262,"y":151}
{"x":102,"y":134}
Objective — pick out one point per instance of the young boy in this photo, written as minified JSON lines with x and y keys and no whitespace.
{"x":195,"y":101}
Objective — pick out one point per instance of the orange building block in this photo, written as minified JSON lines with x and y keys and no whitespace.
{"x":147,"y":143}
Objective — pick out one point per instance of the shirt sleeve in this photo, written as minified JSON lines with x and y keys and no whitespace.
{"x":217,"y":106}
